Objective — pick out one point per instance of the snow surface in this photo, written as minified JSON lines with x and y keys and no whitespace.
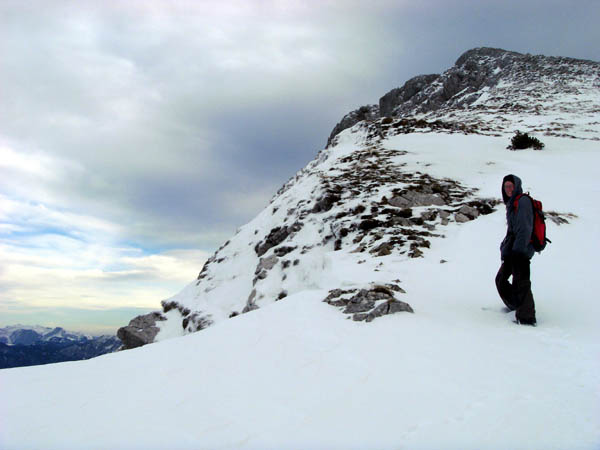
{"x":296,"y":374}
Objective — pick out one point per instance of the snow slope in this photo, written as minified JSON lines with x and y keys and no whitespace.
{"x":297,"y":374}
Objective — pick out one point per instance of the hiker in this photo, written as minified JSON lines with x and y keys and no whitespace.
{"x":516,"y":251}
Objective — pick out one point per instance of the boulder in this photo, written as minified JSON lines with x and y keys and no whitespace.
{"x":461,"y":218}
{"x":389,"y":307}
{"x":469,"y":211}
{"x":141,"y":330}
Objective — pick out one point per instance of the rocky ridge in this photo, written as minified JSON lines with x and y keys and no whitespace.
{"x":491,"y":89}
{"x":359,"y":202}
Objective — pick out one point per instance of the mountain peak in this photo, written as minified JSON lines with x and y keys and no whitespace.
{"x":360,"y":201}
{"x":479,"y":52}
{"x":494,"y":82}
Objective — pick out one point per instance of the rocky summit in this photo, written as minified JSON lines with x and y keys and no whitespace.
{"x":489,"y":89}
{"x":369,"y":200}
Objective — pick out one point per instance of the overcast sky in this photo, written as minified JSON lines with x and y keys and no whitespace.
{"x":136,"y":136}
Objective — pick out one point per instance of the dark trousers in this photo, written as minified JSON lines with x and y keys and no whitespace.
{"x":516,"y":296}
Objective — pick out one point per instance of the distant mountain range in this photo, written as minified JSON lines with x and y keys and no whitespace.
{"x":22,"y":345}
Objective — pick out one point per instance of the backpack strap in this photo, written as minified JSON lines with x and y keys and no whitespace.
{"x":516,"y":202}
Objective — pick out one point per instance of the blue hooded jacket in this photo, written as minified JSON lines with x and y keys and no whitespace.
{"x":520,"y":222}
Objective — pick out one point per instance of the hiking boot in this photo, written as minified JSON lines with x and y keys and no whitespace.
{"x":531,"y":322}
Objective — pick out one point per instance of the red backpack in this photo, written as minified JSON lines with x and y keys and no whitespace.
{"x":538,"y":235}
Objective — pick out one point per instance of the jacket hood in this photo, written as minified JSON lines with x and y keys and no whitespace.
{"x":518,"y":188}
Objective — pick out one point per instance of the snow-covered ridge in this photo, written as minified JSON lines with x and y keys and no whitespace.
{"x":355,"y":202}
{"x":496,"y":90}
{"x":27,"y":335}
{"x":367,"y":199}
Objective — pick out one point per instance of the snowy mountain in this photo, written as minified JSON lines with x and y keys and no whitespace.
{"x":22,"y":345}
{"x":491,"y":90}
{"x":360,"y":198}
{"x":359,"y":310}
{"x":28,"y":335}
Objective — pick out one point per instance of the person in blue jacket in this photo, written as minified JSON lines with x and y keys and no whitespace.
{"x":516,"y":251}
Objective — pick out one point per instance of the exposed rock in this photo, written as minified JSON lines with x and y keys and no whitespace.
{"x":369,"y":224}
{"x":415,"y":253}
{"x":250,"y":307}
{"x":335,"y":297}
{"x":282,"y":251}
{"x":429,"y":215}
{"x":412,"y":198}
{"x":367,"y":112}
{"x":488,"y":78}
{"x":251,"y":302}
{"x":398,"y":96}
{"x":484,"y":206}
{"x":389,"y":307}
{"x":559,"y":218}
{"x":266,"y":263}
{"x":469,"y":211}
{"x":141,"y":330}
{"x":359,"y":317}
{"x":402,"y":222}
{"x":325,"y":203}
{"x":196,"y":322}
{"x":362,"y":305}
{"x":169,"y":305}
{"x":461,"y":218}
{"x":383,"y":250}
{"x":361,"y":302}
{"x":275,"y":237}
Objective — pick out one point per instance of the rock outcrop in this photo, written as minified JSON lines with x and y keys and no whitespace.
{"x":141,"y":330}
{"x":368,"y":304}
{"x":367,"y":112}
{"x":493,"y":81}
{"x":405,"y":94}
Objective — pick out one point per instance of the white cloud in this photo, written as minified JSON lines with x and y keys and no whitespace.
{"x":39,"y":217}
{"x":62,"y":272}
{"x":38,"y":165}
